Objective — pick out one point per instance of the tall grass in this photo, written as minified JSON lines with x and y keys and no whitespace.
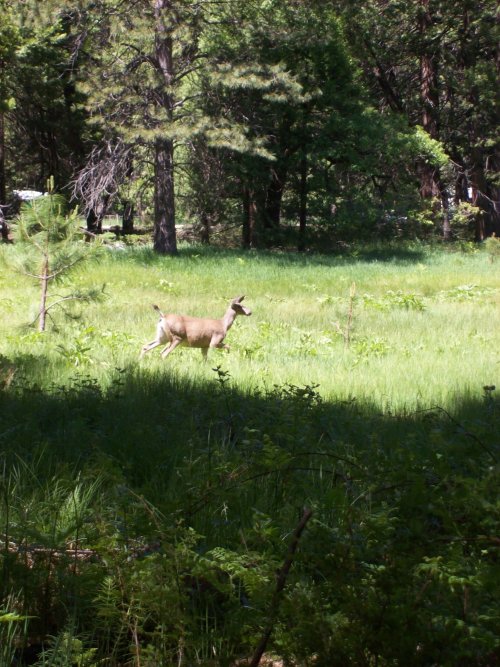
{"x":145,"y":507}
{"x":423,"y":327}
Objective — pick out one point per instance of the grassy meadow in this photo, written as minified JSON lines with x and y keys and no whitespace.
{"x":423,"y":327}
{"x":148,"y":508}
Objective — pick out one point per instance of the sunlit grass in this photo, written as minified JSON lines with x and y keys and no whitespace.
{"x":355,"y":389}
{"x":423,"y":329}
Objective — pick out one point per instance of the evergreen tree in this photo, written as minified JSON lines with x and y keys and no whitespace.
{"x":436,"y":62}
{"x":9,"y":39}
{"x":139,"y":87}
{"x":44,"y":122}
{"x":287,"y":77}
{"x":262,"y":87}
{"x":47,"y":249}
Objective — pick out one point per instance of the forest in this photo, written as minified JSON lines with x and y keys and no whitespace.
{"x":273,"y":122}
{"x":318,"y":486}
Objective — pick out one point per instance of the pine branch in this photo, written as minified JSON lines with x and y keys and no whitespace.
{"x":91,"y":295}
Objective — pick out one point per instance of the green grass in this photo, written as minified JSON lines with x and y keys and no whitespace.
{"x":185,"y":483}
{"x":423,"y":328}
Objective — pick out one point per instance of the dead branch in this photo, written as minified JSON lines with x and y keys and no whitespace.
{"x":281,"y":578}
{"x":107,"y":167}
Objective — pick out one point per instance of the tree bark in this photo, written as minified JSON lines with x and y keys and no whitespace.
{"x":164,"y":236}
{"x":429,"y":95}
{"x":128,"y":217}
{"x":94,"y":224}
{"x":391,"y":96}
{"x":4,"y":228}
{"x":493,"y":192}
{"x":274,"y":197}
{"x":204,"y":227}
{"x":301,"y":245}
{"x":485,"y":196}
{"x":445,"y":205}
{"x":483,"y":161}
{"x":165,"y":239}
{"x":2,"y":159}
{"x":249,"y":214}
{"x":95,"y":216}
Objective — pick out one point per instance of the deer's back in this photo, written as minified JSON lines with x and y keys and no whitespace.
{"x":195,"y":331}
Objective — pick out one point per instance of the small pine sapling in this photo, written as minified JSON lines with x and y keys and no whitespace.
{"x":48,"y":246}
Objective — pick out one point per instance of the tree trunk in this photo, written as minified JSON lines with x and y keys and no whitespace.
{"x":205,"y":227}
{"x":94,"y":224}
{"x":43,"y":297}
{"x":96,"y":215}
{"x":4,"y":228}
{"x":249,"y":213}
{"x":274,"y":197}
{"x":128,"y":217}
{"x":492,"y":212}
{"x":164,"y":236}
{"x":429,"y":96}
{"x":2,"y":159}
{"x":460,"y":188}
{"x":301,"y":246}
{"x":478,"y":187}
{"x":391,"y":95}
{"x":484,"y":196}
{"x":445,"y":205}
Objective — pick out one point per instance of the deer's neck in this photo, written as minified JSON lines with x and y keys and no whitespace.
{"x":228,"y":319}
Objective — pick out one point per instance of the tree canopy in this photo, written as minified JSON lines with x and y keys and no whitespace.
{"x":344,"y":121}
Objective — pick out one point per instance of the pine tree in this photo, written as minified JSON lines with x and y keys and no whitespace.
{"x":145,"y":55}
{"x":436,"y":62}
{"x":43,"y":117}
{"x":9,"y":39}
{"x":47,"y":249}
{"x":287,"y":77}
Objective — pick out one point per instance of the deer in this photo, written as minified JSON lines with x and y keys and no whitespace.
{"x":204,"y":333}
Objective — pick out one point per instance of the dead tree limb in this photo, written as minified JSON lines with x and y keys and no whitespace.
{"x":98,"y":183}
{"x":281,"y":578}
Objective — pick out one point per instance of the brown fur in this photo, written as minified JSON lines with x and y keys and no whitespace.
{"x":203,"y":333}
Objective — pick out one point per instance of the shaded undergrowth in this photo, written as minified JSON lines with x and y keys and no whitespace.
{"x":395,"y":253}
{"x":142,"y":523}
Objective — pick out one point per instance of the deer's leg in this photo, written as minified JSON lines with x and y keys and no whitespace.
{"x":170,"y":347}
{"x":218,"y":341}
{"x":221,"y":346}
{"x":161,"y":337}
{"x":150,"y":346}
{"x":204,"y":351}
